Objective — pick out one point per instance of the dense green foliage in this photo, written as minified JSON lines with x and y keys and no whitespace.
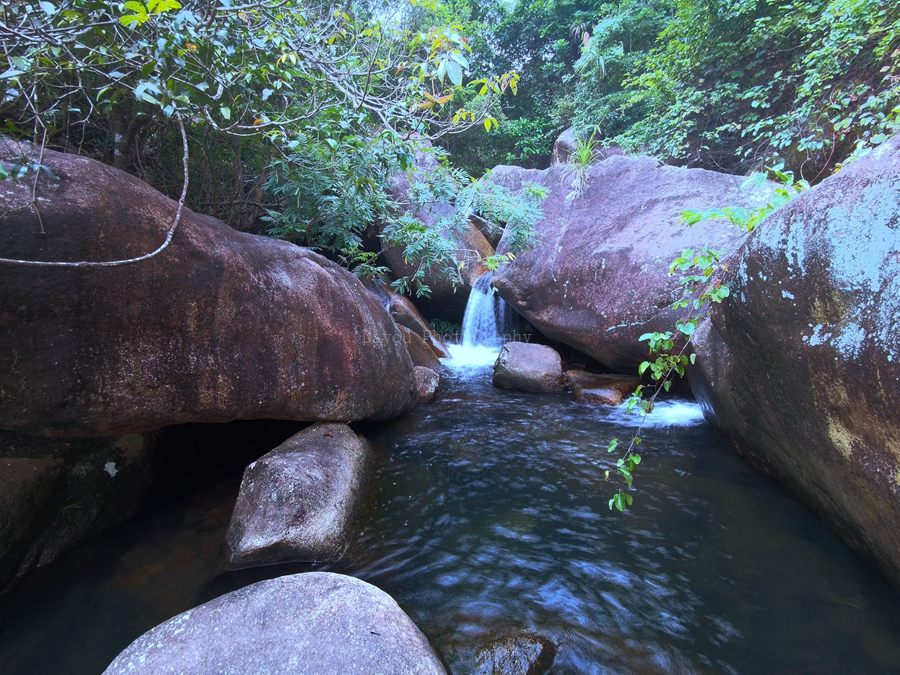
{"x":731,"y":85}
{"x":297,"y":110}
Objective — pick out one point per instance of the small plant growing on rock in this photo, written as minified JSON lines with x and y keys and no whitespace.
{"x":581,"y":159}
{"x":702,"y":283}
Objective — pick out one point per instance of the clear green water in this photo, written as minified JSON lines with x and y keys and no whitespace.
{"x":490,"y":516}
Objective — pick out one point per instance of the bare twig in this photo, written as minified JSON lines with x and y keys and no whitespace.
{"x":147,"y":256}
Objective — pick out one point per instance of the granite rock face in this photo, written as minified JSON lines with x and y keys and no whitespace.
{"x":528,"y":367}
{"x":420,"y":351}
{"x":600,"y":277}
{"x":301,"y":501}
{"x":219,"y":326}
{"x":318,"y":623}
{"x":800,"y":369}
{"x":405,"y":314}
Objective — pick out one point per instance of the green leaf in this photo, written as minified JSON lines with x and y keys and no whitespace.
{"x":454,"y":72}
{"x":4,"y":174}
{"x":613,"y":444}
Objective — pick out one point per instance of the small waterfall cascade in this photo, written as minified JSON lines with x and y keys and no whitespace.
{"x":479,"y":327}
{"x":481,"y":340}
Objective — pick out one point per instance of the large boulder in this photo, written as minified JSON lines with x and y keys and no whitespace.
{"x":528,"y":367}
{"x":56,"y":494}
{"x":318,"y":623}
{"x":469,"y":245}
{"x":800,"y":369}
{"x":301,"y":501}
{"x":600,"y":278}
{"x":220,"y":325}
{"x":563,"y":147}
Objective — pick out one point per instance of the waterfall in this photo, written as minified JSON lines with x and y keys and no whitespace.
{"x":481,"y":340}
{"x":479,"y":327}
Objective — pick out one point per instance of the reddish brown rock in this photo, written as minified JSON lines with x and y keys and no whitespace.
{"x":601,"y":389}
{"x":428,"y":381}
{"x":420,"y":351}
{"x":300,"y":501}
{"x":528,"y":367}
{"x":799,"y":369}
{"x":404,"y":313}
{"x":219,"y":326}
{"x":600,"y":277}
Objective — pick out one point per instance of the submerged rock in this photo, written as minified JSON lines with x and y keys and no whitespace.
{"x":528,"y":367}
{"x":316,"y":623}
{"x":600,"y":277}
{"x":428,"y":381}
{"x":799,"y":369}
{"x":221,"y":325}
{"x":56,"y":494}
{"x":300,"y":502}
{"x":524,"y":654}
{"x":602,"y":389}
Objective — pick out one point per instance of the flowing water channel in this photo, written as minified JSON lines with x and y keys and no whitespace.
{"x":489,"y":516}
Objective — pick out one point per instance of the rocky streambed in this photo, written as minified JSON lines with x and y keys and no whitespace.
{"x":489,"y":520}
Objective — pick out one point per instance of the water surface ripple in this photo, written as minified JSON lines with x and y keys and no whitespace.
{"x":490,"y":516}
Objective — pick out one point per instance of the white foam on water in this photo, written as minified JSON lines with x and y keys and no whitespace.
{"x":668,"y":414}
{"x":464,"y":357}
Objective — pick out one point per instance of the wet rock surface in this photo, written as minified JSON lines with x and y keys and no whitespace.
{"x":601,"y":389}
{"x":301,"y":501}
{"x":600,"y":277}
{"x":528,"y":367}
{"x":219,"y":326}
{"x":420,"y":351}
{"x":428,"y":382}
{"x":800,"y":369}
{"x":318,"y":623}
{"x":524,"y":654}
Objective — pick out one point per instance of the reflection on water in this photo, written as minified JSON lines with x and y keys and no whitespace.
{"x":491,"y":516}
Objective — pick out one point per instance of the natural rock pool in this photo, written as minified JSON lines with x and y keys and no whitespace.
{"x":489,"y":517}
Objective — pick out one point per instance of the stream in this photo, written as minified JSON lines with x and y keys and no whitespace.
{"x":490,"y":516}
